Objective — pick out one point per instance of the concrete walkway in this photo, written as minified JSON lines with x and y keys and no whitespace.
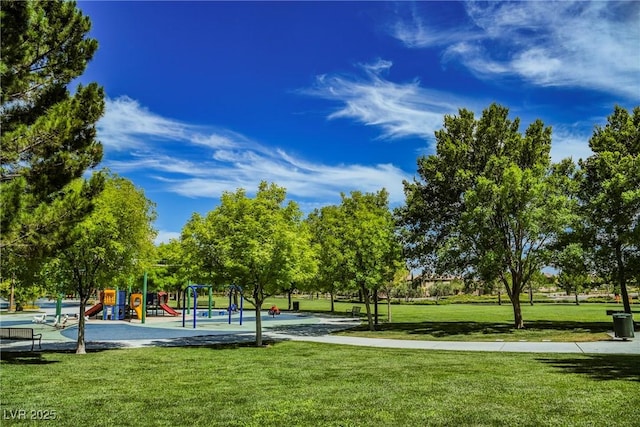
{"x":597,"y":347}
{"x":630,"y":347}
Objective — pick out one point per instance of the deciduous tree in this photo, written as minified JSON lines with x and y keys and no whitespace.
{"x":108,"y":246}
{"x":370,"y":246}
{"x":170,"y":272}
{"x":203,"y":252}
{"x":259,"y":243}
{"x":486,"y":204}
{"x":326,"y":226}
{"x":609,"y":199}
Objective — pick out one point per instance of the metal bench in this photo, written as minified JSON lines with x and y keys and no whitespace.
{"x":21,"y":334}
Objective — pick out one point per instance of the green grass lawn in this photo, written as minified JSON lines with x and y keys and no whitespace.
{"x":475,"y":322}
{"x":306,"y":384}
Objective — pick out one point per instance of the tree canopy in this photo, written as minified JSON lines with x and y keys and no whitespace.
{"x":609,"y":200}
{"x":259,"y":244}
{"x":480,"y":206}
{"x":109,"y":246}
{"x":325,"y":226}
{"x":358,"y":246}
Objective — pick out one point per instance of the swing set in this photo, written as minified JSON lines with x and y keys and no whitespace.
{"x":194,"y":290}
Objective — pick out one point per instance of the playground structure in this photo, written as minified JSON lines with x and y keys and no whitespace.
{"x":185,"y":302}
{"x":163,"y":299}
{"x":135,"y":304}
{"x":95,"y":309}
{"x":154,"y":301}
{"x":112,"y":303}
{"x":231,"y":308}
{"x":232,"y":289}
{"x":274,"y":311}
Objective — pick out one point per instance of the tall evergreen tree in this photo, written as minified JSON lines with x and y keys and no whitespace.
{"x":48,"y":134}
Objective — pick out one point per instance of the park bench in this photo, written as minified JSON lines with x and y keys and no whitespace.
{"x":355,"y":311}
{"x":24,"y":334}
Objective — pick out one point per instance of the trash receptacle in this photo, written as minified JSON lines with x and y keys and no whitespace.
{"x":623,"y":325}
{"x":296,"y":305}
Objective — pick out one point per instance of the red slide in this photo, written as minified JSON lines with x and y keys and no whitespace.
{"x":93,"y":310}
{"x":169,"y":310}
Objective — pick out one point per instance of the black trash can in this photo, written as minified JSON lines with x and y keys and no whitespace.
{"x":623,"y":325}
{"x":296,"y":306}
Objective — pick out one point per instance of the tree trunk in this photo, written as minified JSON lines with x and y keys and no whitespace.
{"x":80,"y":345}
{"x":258,"y":324}
{"x":577,"y":302}
{"x":622,"y":280}
{"x":289,"y":292}
{"x":518,"y":322}
{"x":367,"y":304}
{"x":388,"y":309}
{"x":375,"y":306}
{"x":12,"y":299}
{"x":332,"y":303}
{"x":513,"y":291}
{"x":530,"y":293}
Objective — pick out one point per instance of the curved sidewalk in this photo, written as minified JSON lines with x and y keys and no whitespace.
{"x":596,"y":347}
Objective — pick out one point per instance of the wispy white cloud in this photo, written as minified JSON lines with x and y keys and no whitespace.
{"x":416,"y":32}
{"x":126,"y":122}
{"x":591,"y":45}
{"x":399,"y":109}
{"x":411,"y":110}
{"x":309,"y":181}
{"x":158,"y":161}
{"x":219,"y":160}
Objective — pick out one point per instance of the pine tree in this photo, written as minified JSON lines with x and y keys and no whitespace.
{"x":48,"y":134}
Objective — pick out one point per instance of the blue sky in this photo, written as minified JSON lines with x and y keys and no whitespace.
{"x":329,"y":97}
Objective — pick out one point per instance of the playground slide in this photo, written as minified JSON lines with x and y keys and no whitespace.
{"x":169,"y":310}
{"x":93,"y":310}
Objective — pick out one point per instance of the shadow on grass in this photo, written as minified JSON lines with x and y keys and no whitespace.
{"x":446,"y":329}
{"x":214,"y":342}
{"x":310,"y":330}
{"x":600,"y":367}
{"x":24,"y":358}
{"x":20,"y":356}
